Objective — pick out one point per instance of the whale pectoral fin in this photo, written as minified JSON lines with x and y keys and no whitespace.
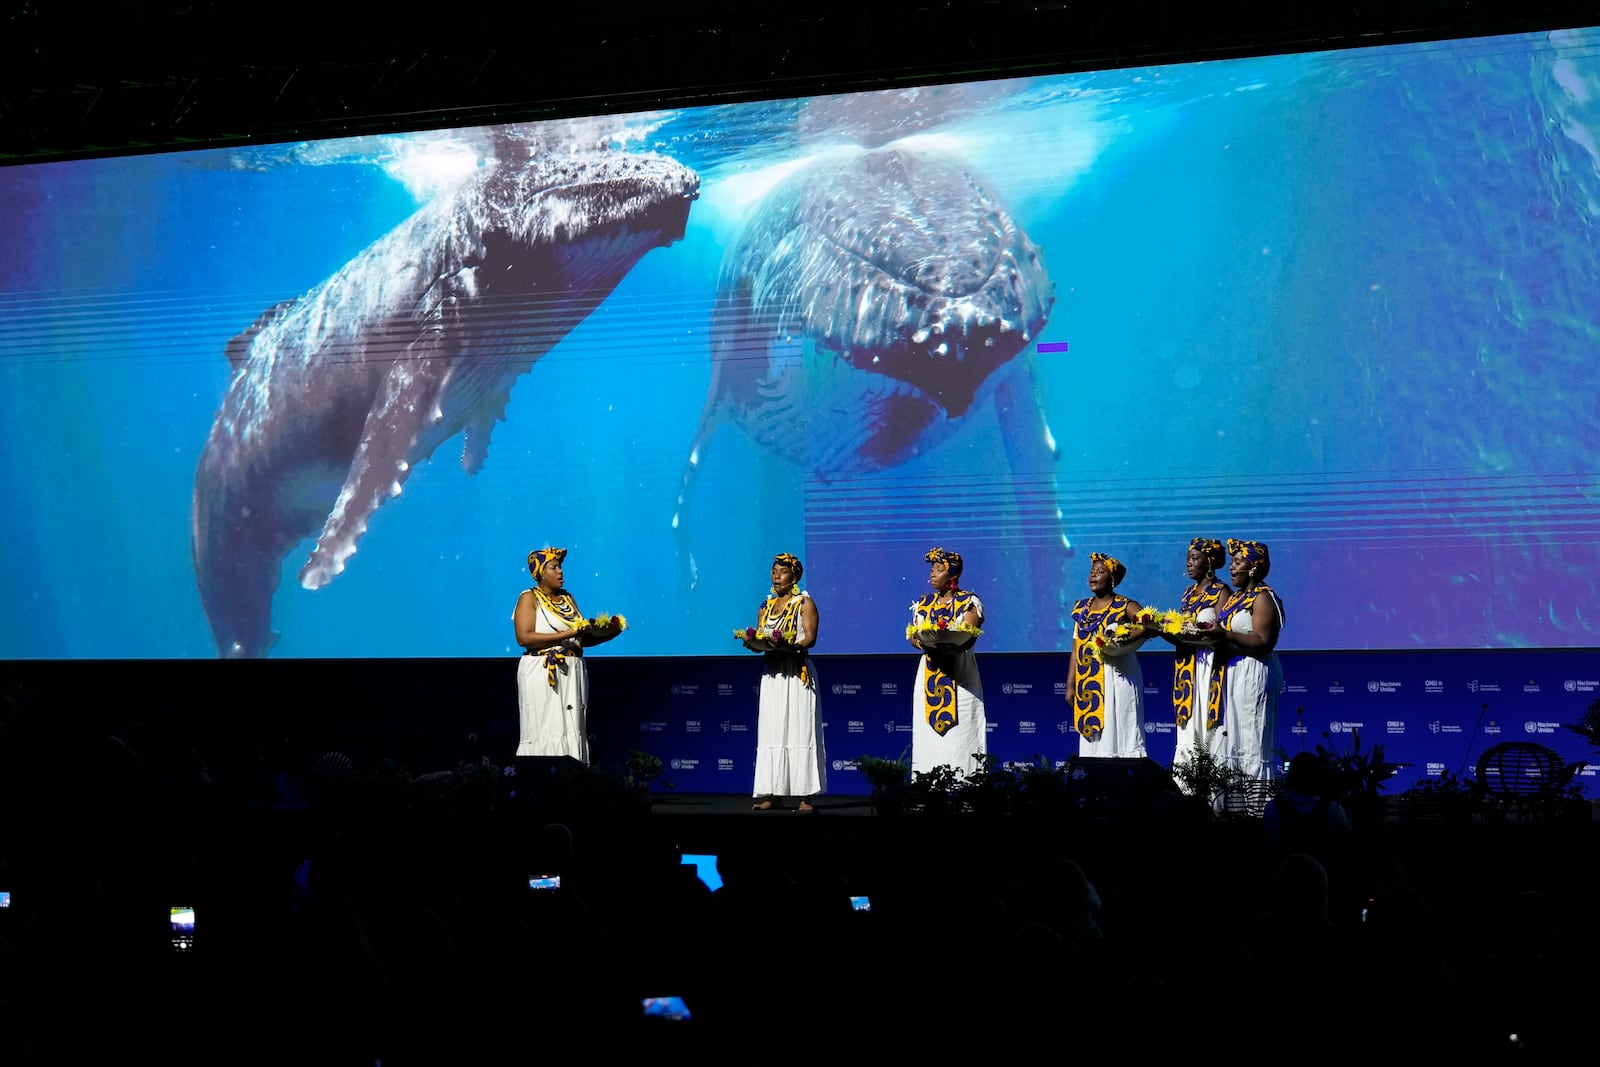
{"x":407,"y":403}
{"x":475,"y":444}
{"x":482,"y":389}
{"x":688,"y":570}
{"x":1031,"y":456}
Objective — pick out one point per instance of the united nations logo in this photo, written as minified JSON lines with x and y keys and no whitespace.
{"x":1570,"y":686}
{"x":1372,"y":687}
{"x":1005,"y":687}
{"x":677,"y":765}
{"x":676,"y":690}
{"x":837,"y":688}
{"x":1149,"y":727}
{"x":1336,"y":727}
{"x":1530,"y":727}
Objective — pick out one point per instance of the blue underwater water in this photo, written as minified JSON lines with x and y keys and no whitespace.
{"x":1344,"y":303}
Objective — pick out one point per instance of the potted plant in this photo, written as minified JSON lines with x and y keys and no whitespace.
{"x":1357,"y":780}
{"x":640,"y":769}
{"x":1207,"y":779}
{"x":1588,"y":727}
{"x":1040,"y":787}
{"x":1450,"y":798}
{"x":941,"y":791}
{"x":889,"y":780}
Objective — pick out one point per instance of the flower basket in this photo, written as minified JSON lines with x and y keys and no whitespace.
{"x":761,"y":639}
{"x":600,"y":629}
{"x":1122,"y":641}
{"x":943,"y":638}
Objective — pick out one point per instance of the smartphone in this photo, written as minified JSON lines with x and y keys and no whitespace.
{"x":665,"y":1008}
{"x":5,"y":898}
{"x":544,"y":881}
{"x":183,"y":929}
{"x":861,"y":903}
{"x":706,"y":867}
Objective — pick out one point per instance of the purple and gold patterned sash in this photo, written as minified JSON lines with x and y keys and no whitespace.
{"x":1089,"y":687}
{"x":938,"y":685}
{"x":1194,"y":599}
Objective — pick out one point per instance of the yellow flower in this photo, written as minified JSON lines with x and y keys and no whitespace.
{"x":927,"y":628}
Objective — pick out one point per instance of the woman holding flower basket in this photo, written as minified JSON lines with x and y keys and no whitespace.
{"x":948,"y":725}
{"x":1251,"y":619}
{"x":552,"y":681}
{"x":1105,"y":687}
{"x":1196,"y":701}
{"x":790,"y":758}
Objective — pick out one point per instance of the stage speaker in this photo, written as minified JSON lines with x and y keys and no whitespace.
{"x":1105,"y":788}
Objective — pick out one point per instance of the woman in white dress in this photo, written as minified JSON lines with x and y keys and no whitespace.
{"x":1105,"y":687}
{"x":948,"y":727}
{"x":1196,"y":703}
{"x":1251,"y":674}
{"x":790,"y":758}
{"x":552,"y":681}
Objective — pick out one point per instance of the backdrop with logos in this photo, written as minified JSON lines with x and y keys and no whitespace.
{"x":1433,"y":711}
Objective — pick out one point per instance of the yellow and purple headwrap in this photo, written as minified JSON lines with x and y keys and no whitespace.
{"x":1113,"y":566}
{"x":541,"y":558}
{"x":1211,"y":549}
{"x":949,"y":559}
{"x":1254,"y":553}
{"x":792,"y":561}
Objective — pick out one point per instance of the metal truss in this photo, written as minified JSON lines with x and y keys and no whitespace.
{"x":190,"y":73}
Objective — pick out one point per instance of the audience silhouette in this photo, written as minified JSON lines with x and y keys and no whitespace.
{"x":349,"y":913}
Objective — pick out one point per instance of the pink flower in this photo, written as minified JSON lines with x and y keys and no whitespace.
{"x":942,"y":624}
{"x":750,"y":633}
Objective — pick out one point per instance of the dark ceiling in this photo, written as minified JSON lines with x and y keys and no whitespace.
{"x":147,"y":76}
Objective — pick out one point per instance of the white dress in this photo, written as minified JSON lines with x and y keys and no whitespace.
{"x":553,"y":719}
{"x":962,"y":744}
{"x":1122,"y":726}
{"x":1194,"y":735}
{"x":790,"y":758}
{"x":1250,"y":703}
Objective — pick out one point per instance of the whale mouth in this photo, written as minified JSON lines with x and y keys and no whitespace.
{"x":909,"y":269}
{"x":939,"y":330}
{"x":945,"y":354}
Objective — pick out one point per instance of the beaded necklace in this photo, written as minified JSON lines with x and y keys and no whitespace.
{"x":561,"y":605}
{"x":786,"y":619}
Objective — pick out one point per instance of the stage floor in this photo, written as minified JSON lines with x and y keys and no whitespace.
{"x":672,"y":804}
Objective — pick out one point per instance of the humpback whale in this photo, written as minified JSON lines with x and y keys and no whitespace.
{"x":337,"y":394}
{"x":866,"y":309}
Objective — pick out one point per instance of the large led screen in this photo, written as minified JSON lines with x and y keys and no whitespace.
{"x":321,"y":399}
